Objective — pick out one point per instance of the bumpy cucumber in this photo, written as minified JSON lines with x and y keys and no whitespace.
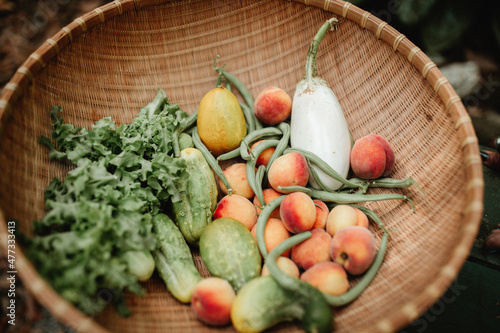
{"x":229,"y":251}
{"x":262,"y":303}
{"x":198,"y":196}
{"x":174,"y":260}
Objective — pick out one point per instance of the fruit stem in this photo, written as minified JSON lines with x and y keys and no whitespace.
{"x":311,"y":70}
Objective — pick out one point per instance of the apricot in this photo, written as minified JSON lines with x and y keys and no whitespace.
{"x":274,"y":233}
{"x":313,"y":250}
{"x":354,"y":248}
{"x":269,"y":195}
{"x":372,"y":157}
{"x":322,"y":212}
{"x":342,"y":216}
{"x":286,"y":265}
{"x":298,"y":212}
{"x":290,"y":169}
{"x":265,"y":156}
{"x":329,"y":277}
{"x":236,"y":175}
{"x":272,"y":106}
{"x":237,"y":207}
{"x":212,"y":300}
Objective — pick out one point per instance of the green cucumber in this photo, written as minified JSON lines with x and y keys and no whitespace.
{"x":262,"y":303}
{"x":198,"y":196}
{"x":230,"y":252}
{"x":173,"y":259}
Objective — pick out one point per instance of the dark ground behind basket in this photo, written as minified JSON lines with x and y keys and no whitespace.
{"x":471,"y":304}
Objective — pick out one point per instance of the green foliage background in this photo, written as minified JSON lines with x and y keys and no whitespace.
{"x":443,"y":27}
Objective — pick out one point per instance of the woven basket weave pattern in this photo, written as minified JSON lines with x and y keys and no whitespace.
{"x":110,"y":61}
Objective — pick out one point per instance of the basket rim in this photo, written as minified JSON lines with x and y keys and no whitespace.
{"x":471,"y":216}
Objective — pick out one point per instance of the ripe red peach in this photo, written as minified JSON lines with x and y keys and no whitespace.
{"x":265,"y":156}
{"x":372,"y":157}
{"x":236,"y":175}
{"x":212,"y":300}
{"x":286,"y":265}
{"x":313,"y":250}
{"x":269,"y":195}
{"x":272,"y":106}
{"x":342,"y":216}
{"x":322,"y":212}
{"x":354,"y":248}
{"x":274,"y":233}
{"x":329,"y":277}
{"x":290,"y":169}
{"x":298,"y":212}
{"x":237,"y":207}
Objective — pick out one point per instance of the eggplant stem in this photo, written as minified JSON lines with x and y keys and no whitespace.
{"x":311,"y":70}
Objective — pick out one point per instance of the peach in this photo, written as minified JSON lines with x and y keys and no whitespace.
{"x":237,"y":207}
{"x":313,"y":250}
{"x":298,"y":212}
{"x":322,"y":212}
{"x":290,"y":169}
{"x":286,"y":265}
{"x":269,"y":195}
{"x":272,"y":106}
{"x":372,"y":157}
{"x":274,"y":233}
{"x":212,"y":300}
{"x":362,"y":218}
{"x":329,"y":277}
{"x":265,"y":156}
{"x":354,"y":248}
{"x":342,"y":216}
{"x":236,"y":175}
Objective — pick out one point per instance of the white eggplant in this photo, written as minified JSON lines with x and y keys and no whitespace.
{"x":318,"y":124}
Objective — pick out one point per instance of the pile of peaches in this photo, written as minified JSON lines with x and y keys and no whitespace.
{"x":341,"y":243}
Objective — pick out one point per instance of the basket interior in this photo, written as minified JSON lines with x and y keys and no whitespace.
{"x":114,"y":69}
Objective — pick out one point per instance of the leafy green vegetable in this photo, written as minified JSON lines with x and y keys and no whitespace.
{"x":103,"y":209}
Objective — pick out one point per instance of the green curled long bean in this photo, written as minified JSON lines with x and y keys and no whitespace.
{"x":315,"y":176}
{"x":249,"y":117}
{"x":385,"y":183}
{"x":255,"y":135}
{"x":259,"y":178}
{"x":340,"y":197}
{"x":295,"y":188}
{"x":229,"y":155}
{"x":187,"y":123}
{"x":284,"y":280}
{"x":323,"y":166}
{"x":282,"y":146}
{"x":210,"y":159}
{"x":363,"y":283}
{"x":346,"y":198}
{"x":245,"y":93}
{"x":262,"y":221}
{"x":250,"y":168}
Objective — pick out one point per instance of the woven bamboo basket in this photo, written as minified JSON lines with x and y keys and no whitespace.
{"x":110,"y":61}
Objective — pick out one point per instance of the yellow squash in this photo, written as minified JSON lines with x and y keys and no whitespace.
{"x":221,"y":122}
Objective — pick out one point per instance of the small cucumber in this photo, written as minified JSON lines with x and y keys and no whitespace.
{"x":229,"y":251}
{"x":174,"y":260}
{"x":262,"y":303}
{"x":198,"y":196}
